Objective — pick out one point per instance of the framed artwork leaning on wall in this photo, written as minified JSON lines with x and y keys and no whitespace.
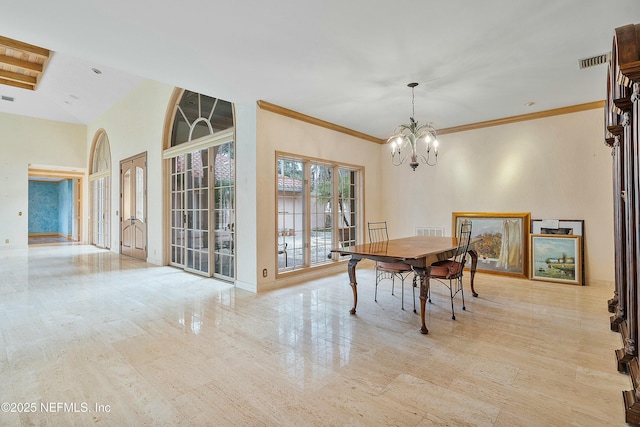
{"x":556,"y":258}
{"x":504,"y":248}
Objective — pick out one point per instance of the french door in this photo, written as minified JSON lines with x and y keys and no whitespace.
{"x":133,"y":206}
{"x":202,"y":211}
{"x":190,"y":215}
{"x":100,"y":211}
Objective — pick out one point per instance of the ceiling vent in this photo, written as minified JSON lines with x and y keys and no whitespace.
{"x":7,"y":98}
{"x":594,"y":60}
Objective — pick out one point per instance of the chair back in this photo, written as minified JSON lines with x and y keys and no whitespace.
{"x":378,"y":231}
{"x":464,"y":237}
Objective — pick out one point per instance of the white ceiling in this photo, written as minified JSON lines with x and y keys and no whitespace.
{"x":344,"y":61}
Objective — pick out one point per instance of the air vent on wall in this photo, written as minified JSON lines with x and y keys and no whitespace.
{"x":594,"y":60}
{"x":7,"y":98}
{"x":430,"y":231}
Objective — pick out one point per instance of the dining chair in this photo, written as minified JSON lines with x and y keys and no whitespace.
{"x":378,"y":233}
{"x":451,"y":270}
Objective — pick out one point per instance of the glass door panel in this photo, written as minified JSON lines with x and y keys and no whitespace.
{"x":177,"y":214}
{"x":224,"y":211}
{"x":203,"y":211}
{"x":197,"y":212}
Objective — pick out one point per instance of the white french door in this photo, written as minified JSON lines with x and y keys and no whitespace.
{"x":190,"y":214}
{"x":203,"y":212}
{"x":100,"y":211}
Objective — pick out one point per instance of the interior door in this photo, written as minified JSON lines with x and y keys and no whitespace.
{"x":133,"y":206}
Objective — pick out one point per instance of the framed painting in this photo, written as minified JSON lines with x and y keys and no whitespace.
{"x":556,"y":258}
{"x":504,"y":240}
{"x":558,"y":226}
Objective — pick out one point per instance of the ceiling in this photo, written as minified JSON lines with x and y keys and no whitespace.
{"x":345,"y":62}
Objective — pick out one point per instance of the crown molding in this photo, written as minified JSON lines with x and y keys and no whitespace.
{"x":267,"y":106}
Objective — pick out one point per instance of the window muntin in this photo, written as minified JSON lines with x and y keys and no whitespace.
{"x":198,"y":116}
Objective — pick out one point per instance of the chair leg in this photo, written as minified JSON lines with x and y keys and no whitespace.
{"x":402,"y":287}
{"x":413,"y":291}
{"x":375,"y":295}
{"x":462,"y":292}
{"x":453,"y":314}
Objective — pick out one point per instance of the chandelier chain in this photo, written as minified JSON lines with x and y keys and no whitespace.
{"x":413,"y":103}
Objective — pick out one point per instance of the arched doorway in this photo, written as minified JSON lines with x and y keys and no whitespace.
{"x":200,"y":166}
{"x":100,"y":189}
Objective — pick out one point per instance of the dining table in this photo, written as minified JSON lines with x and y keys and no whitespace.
{"x":419,"y":252}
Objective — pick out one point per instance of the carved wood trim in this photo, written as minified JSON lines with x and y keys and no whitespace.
{"x":627,"y":39}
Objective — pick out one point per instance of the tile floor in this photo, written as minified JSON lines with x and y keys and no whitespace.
{"x":91,"y":338}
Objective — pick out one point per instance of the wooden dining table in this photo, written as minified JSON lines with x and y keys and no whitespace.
{"x":417,"y":251}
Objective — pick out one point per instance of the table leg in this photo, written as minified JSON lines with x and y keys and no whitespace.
{"x":424,"y":275}
{"x":474,"y":264}
{"x":352,"y":280}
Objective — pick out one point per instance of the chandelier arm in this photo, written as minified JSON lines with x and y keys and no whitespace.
{"x":399,"y":161}
{"x":425,"y":159}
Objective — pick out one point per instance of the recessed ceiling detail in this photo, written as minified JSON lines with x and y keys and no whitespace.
{"x":22,"y":64}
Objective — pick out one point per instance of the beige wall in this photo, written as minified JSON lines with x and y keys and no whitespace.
{"x":134,"y":125}
{"x":24,"y":141}
{"x":555,"y":168}
{"x":279,"y":133}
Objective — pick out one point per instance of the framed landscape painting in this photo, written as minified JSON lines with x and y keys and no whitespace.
{"x":503,"y":246}
{"x":556,"y":258}
{"x":562,"y":226}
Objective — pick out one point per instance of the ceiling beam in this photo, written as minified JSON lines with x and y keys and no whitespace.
{"x":16,"y":84}
{"x":18,"y":77}
{"x":19,"y":63}
{"x":16,"y":45}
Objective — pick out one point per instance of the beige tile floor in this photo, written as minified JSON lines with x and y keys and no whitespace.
{"x":88,"y":337}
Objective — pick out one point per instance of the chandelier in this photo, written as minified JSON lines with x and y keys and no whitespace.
{"x":410,"y":137}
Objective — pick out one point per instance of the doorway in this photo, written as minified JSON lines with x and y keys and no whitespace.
{"x":55,"y":208}
{"x":133,"y":206}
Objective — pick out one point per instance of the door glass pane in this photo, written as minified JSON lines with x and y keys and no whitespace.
{"x":177,"y":210}
{"x":106,"y":212}
{"x":140,"y":194}
{"x":224,"y":210}
{"x":197,"y":211}
{"x":126,"y":195}
{"x":95,"y":210}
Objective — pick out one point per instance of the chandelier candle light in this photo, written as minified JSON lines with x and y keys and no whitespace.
{"x":412,"y":136}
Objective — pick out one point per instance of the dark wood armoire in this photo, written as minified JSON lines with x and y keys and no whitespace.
{"x":622,"y":121}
